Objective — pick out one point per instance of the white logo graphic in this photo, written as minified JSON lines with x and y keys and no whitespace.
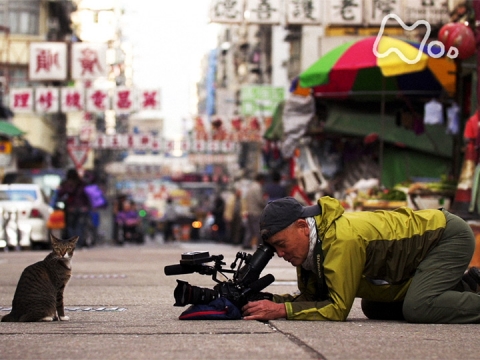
{"x":452,"y":51}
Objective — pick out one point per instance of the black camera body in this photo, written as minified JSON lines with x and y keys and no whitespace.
{"x":245,"y":284}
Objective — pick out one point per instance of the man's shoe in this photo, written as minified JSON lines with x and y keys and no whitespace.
{"x":472,"y":278}
{"x":474,"y":273}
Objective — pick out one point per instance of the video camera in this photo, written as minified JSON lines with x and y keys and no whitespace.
{"x":244,"y":286}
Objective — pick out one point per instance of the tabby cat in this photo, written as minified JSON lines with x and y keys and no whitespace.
{"x":39,"y":293}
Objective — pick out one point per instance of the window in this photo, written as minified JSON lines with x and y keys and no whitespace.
{"x":18,"y":195}
{"x":21,"y":16}
{"x":18,"y":77}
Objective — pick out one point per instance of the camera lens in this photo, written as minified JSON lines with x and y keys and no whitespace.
{"x":187,"y":294}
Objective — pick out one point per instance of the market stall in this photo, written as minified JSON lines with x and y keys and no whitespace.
{"x":381,"y":100}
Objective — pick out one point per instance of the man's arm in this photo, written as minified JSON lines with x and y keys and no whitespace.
{"x":342,"y":269}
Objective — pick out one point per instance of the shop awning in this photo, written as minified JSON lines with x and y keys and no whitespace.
{"x":356,"y":120}
{"x":9,"y":129}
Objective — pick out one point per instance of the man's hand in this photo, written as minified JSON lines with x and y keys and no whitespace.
{"x":263,"y":310}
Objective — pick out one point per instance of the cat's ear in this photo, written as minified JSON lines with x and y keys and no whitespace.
{"x":53,"y":238}
{"x":73,"y":240}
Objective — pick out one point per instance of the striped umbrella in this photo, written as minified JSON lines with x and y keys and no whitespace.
{"x":383,"y":65}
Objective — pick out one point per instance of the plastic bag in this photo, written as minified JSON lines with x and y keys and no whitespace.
{"x":95,"y":196}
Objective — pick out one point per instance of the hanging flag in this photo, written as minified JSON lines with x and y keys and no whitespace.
{"x":156,"y":144}
{"x":21,"y":100}
{"x":143,"y":142}
{"x":47,"y":61}
{"x":88,"y":61}
{"x":115,"y":141}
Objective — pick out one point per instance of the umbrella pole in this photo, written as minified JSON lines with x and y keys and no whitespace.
{"x":382,"y":130}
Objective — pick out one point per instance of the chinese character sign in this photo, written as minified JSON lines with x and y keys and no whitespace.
{"x":433,"y":11}
{"x":227,"y":11}
{"x":376,"y":10}
{"x":48,"y":61}
{"x":88,"y":61}
{"x":97,"y":100}
{"x":148,"y":99}
{"x":21,"y":100}
{"x":304,"y":11}
{"x":345,"y":12}
{"x":46,"y":100}
{"x":264,"y":11}
{"x":123,"y":99}
{"x":72,"y":99}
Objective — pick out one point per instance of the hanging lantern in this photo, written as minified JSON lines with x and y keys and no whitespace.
{"x":460,"y":36}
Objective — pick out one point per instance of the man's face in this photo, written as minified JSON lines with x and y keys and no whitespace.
{"x":292,"y":243}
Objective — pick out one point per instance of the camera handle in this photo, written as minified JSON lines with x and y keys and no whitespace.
{"x":243,"y":257}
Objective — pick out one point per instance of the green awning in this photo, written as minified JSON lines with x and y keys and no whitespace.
{"x":357,"y":120}
{"x":9,"y":129}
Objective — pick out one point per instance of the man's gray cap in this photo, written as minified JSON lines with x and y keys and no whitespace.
{"x":280,"y":213}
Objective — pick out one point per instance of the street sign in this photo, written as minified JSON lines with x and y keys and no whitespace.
{"x":260,"y":100}
{"x":78,"y":153}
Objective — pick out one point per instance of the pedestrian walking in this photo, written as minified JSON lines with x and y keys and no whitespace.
{"x":219,"y":224}
{"x":170,"y":218}
{"x":255,"y":201}
{"x":77,"y":205}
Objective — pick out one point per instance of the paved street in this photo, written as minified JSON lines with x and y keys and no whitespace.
{"x":120,"y":307}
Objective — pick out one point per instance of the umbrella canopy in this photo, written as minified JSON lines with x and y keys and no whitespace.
{"x":354,"y":69}
{"x":9,"y":129}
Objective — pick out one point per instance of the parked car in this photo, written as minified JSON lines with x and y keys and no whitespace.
{"x":47,"y":179}
{"x":24,"y":213}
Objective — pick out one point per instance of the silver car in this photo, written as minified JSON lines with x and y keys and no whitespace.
{"x":24,"y":212}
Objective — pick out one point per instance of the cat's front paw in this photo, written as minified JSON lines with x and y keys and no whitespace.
{"x":64,"y":318}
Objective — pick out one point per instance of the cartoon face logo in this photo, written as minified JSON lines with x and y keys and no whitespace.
{"x":452,"y":51}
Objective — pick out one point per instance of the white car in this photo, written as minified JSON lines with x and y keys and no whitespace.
{"x":24,"y":212}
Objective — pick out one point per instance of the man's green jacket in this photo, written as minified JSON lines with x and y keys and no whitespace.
{"x":371,"y":255}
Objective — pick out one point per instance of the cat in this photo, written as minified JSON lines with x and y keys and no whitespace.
{"x":39,"y":293}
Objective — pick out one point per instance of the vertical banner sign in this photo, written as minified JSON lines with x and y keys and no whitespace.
{"x":304,"y":12}
{"x":88,"y":61}
{"x":72,"y":99}
{"x":97,"y":100}
{"x":47,"y":61}
{"x":46,"y":100}
{"x":123,"y":99}
{"x":341,"y":12}
{"x":227,"y":11}
{"x":21,"y":100}
{"x":148,"y":99}
{"x":264,"y":11}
